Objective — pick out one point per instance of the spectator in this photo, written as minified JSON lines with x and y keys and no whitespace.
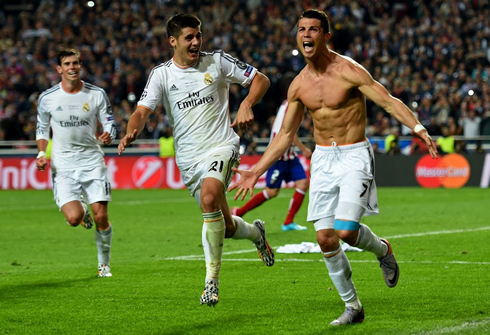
{"x":445,"y":143}
{"x":471,"y":127}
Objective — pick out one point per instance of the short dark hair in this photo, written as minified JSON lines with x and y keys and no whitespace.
{"x":180,"y":21}
{"x":66,"y":53}
{"x":319,"y":15}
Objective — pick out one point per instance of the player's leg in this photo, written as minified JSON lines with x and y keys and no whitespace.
{"x":340,"y":272}
{"x":323,"y":201}
{"x":97,"y":191}
{"x":207,"y":181}
{"x":213,"y":235}
{"x":103,"y":238}
{"x":357,"y":196}
{"x":255,"y":202}
{"x":238,"y":229}
{"x":68,"y":196}
{"x":296,"y":173}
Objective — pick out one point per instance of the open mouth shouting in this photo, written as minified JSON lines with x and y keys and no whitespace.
{"x":308,"y":46}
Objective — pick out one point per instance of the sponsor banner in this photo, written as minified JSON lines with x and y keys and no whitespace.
{"x":449,"y":171}
{"x":125,"y":172}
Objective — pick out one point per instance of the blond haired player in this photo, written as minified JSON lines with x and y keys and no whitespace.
{"x":72,"y":109}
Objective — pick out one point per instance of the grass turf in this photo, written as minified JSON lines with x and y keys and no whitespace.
{"x":48,"y":281}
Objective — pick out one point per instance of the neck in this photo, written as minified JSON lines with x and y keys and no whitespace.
{"x":320,"y":62}
{"x":72,"y":86}
{"x":181,"y":63}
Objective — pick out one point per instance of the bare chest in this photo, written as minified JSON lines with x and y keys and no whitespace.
{"x":325,"y":93}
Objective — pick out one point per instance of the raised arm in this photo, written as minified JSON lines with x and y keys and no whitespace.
{"x":136,"y":124}
{"x":245,"y":117}
{"x":360,"y":77}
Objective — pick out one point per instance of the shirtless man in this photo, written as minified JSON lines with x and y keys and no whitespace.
{"x":334,"y":88}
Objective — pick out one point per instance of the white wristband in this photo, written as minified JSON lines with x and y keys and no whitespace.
{"x":41,"y":154}
{"x":418,"y":127}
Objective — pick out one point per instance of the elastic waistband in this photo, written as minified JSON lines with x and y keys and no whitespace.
{"x":344,"y":147}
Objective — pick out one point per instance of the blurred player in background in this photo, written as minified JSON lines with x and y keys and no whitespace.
{"x":72,"y":109}
{"x":288,"y":168}
{"x":342,"y":189}
{"x":193,"y":88}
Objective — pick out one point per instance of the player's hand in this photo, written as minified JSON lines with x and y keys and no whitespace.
{"x":105,"y":138}
{"x":431,"y":145}
{"x":244,"y":118}
{"x":126,"y":141}
{"x":41,"y":163}
{"x":245,"y":184}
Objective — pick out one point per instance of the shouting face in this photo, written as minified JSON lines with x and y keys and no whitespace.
{"x":186,"y":46}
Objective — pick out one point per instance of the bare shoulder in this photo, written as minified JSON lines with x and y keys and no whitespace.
{"x":295,"y":86}
{"x":352,"y":71}
{"x":303,"y":82}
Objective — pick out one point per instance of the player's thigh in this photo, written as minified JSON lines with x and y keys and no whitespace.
{"x":96,"y":185}
{"x":354,"y":196}
{"x":66,"y":188}
{"x":217,"y":165}
{"x":323,"y":199}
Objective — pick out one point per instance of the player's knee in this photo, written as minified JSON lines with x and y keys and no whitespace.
{"x":73,"y":219}
{"x":209,"y":203}
{"x":303,"y":184}
{"x":272,"y":192}
{"x":101,"y":219}
{"x":326,"y":240}
{"x":348,"y":236}
{"x":347,"y":230}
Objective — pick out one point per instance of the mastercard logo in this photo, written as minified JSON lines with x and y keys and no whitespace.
{"x":450,"y":171}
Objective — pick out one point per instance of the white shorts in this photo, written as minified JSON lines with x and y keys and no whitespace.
{"x":216,"y":164}
{"x":92,"y":183}
{"x":342,"y":174}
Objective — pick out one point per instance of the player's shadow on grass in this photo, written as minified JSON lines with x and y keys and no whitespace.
{"x":37,"y":289}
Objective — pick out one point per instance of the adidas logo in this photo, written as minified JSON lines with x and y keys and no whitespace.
{"x":174,"y":88}
{"x":59,"y":109}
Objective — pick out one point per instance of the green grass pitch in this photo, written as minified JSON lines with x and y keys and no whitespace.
{"x":48,"y":281}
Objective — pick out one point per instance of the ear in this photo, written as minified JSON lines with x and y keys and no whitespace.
{"x":172,"y":40}
{"x":58,"y":68}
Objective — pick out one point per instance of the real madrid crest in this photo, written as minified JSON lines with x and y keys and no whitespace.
{"x":86,"y":108}
{"x":208,"y":80}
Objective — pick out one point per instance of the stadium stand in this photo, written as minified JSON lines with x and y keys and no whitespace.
{"x":433,"y":55}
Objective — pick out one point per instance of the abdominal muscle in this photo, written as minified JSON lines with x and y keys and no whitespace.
{"x":343,"y":126}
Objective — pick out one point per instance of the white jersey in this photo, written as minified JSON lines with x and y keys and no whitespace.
{"x":196,"y":101}
{"x":291,"y":153}
{"x":73,"y":118}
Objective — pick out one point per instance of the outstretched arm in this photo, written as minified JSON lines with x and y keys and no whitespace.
{"x":245,"y":117}
{"x":281,"y":142}
{"x":372,"y":89}
{"x":136,"y":124}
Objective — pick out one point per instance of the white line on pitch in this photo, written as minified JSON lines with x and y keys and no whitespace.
{"x":201,"y":258}
{"x":429,"y":233}
{"x":466,"y":326}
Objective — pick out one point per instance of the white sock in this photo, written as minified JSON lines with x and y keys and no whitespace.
{"x":103,"y":240}
{"x":340,"y":272}
{"x":368,"y":241}
{"x":245,"y":230}
{"x":213,"y":236}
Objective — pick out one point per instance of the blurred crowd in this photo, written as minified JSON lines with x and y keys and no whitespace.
{"x":433,"y":55}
